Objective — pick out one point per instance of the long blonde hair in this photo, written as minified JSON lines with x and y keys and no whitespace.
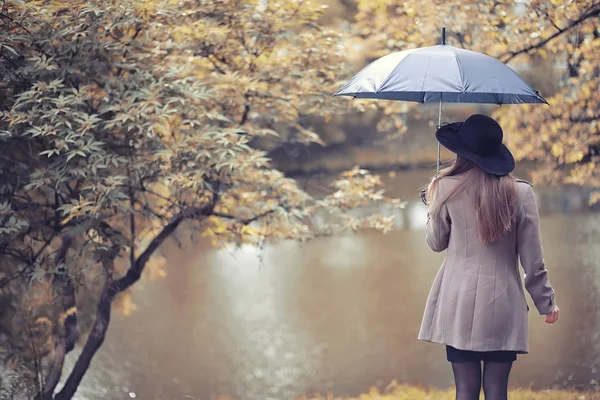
{"x":495,"y":197}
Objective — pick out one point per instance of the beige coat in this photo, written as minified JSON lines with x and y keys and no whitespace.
{"x":477,"y":301}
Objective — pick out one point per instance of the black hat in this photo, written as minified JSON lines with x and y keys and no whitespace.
{"x":478,"y":139}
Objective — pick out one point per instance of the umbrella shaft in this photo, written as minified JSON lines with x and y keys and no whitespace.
{"x":437,"y":169}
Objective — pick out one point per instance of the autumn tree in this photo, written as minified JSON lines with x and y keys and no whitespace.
{"x":123,"y":123}
{"x":564,"y":37}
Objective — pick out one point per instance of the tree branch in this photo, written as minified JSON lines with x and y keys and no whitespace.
{"x":5,"y":281}
{"x":217,"y":67}
{"x":592,"y":13}
{"x":151,"y":211}
{"x":20,"y":25}
{"x":245,"y":114}
{"x":46,"y":244}
{"x":112,"y":288}
{"x":138,"y":29}
{"x":245,"y":221}
{"x":36,"y":359}
{"x":131,"y":225}
{"x":19,"y":256}
{"x":160,"y":196}
{"x":554,"y":24}
{"x":135,"y":270}
{"x":27,"y":260}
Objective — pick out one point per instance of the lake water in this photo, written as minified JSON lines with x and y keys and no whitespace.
{"x":338,"y":314}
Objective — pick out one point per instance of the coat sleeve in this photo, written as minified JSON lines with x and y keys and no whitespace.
{"x":438,"y":227}
{"x":529,"y":247}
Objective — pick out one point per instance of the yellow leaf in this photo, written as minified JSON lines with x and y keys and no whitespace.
{"x":543,"y":53}
{"x":156,"y":267}
{"x":247,"y":230}
{"x":43,"y":321}
{"x":124,"y":303}
{"x":594,"y":198}
{"x":64,"y":315}
{"x":557,"y":150}
{"x":574,"y":156}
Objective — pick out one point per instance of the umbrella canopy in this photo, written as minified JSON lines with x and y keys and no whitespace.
{"x":440,"y":74}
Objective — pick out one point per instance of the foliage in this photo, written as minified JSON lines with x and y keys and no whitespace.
{"x":123,"y":121}
{"x":395,"y":391}
{"x":563,"y":37}
{"x":269,"y":61}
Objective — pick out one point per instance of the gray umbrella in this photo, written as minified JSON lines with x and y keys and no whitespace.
{"x":440,"y":74}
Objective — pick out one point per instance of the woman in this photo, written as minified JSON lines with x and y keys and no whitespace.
{"x":485,"y":219}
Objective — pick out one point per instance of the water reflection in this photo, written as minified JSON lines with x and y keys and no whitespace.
{"x":345,"y":253}
{"x":336,"y":314}
{"x":417,"y":212}
{"x":269,"y":353}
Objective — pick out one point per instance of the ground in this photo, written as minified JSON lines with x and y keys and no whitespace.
{"x":403,"y":392}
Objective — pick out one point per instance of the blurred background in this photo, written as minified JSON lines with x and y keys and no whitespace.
{"x":225,"y":310}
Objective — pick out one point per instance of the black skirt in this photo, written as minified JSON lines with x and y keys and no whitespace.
{"x":458,"y":356}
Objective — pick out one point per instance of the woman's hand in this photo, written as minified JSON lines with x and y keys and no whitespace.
{"x":424,"y":196}
{"x":552,"y":317}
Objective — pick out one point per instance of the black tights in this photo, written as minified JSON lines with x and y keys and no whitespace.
{"x":467,"y":376}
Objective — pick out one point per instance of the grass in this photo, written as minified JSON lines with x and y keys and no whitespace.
{"x":406,"y":392}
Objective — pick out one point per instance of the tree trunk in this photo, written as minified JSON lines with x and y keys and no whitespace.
{"x":112,"y":288}
{"x":60,"y":351}
{"x":109,"y":291}
{"x":94,"y":341}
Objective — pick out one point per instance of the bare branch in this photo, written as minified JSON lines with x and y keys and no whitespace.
{"x":554,"y":24}
{"x":20,"y":25}
{"x":245,"y":221}
{"x":592,"y":13}
{"x":135,"y":271}
{"x":131,"y":226}
{"x":160,"y":196}
{"x":4,"y":282}
{"x":24,"y":258}
{"x":245,"y":114}
{"x":217,"y":67}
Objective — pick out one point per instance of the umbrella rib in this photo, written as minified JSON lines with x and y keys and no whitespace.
{"x":460,"y":71}
{"x":425,"y":77}
{"x":387,"y":78}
